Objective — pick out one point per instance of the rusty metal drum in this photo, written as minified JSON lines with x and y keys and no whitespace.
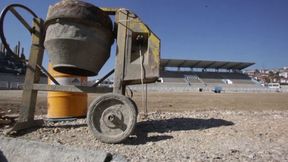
{"x":78,"y":38}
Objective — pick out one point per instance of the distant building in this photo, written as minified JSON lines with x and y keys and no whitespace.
{"x":266,"y":76}
{"x":284,"y":81}
{"x":13,"y":68}
{"x":284,"y":74}
{"x":12,"y":62}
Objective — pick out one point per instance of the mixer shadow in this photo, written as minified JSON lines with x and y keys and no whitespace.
{"x":181,"y":124}
{"x":2,"y":157}
{"x":170,"y":125}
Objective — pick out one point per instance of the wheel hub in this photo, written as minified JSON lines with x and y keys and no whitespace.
{"x":112,"y":118}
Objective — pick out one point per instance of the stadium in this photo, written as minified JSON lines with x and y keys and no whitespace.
{"x":180,"y":75}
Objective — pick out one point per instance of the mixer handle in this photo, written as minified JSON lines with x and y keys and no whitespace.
{"x":11,"y":8}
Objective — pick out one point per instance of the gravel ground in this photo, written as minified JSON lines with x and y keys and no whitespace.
{"x":215,"y":135}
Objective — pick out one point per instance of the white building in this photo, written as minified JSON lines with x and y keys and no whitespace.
{"x":284,"y":74}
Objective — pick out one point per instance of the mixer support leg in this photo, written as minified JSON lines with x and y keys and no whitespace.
{"x":119,"y":85}
{"x":29,"y":96}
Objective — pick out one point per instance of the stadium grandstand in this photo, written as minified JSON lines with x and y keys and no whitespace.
{"x":195,"y":72}
{"x":202,"y":75}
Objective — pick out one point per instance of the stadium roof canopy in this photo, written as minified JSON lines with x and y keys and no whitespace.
{"x":229,"y":65}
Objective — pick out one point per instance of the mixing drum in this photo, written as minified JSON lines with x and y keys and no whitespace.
{"x":78,"y":37}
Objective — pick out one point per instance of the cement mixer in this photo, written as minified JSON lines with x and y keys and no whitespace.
{"x":78,"y":37}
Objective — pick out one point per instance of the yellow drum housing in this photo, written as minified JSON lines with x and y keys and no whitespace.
{"x":66,"y":104}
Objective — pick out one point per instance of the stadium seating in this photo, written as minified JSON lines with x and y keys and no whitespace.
{"x":208,"y":80}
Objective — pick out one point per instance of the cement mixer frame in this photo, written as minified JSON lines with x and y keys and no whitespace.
{"x":130,"y":34}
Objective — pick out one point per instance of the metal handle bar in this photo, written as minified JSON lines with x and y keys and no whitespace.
{"x":11,"y":8}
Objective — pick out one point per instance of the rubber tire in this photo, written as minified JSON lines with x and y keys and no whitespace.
{"x":90,"y":118}
{"x":135,"y":105}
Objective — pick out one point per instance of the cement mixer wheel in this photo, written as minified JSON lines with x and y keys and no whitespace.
{"x":112,"y":118}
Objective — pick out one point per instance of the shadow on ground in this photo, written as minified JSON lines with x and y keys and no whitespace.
{"x":2,"y":157}
{"x":180,"y":124}
{"x":170,"y":125}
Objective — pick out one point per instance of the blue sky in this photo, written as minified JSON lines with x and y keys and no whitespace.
{"x":229,"y":30}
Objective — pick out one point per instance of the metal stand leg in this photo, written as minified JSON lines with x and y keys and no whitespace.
{"x":119,"y":86}
{"x":29,"y":98}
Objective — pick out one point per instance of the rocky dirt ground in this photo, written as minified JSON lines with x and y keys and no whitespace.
{"x":186,"y":127}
